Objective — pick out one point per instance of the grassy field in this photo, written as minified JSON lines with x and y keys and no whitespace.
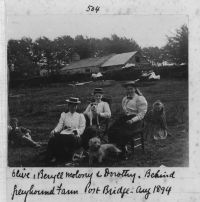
{"x":39,"y":109}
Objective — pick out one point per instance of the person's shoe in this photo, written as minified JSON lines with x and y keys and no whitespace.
{"x":124,"y":153}
{"x":71,"y":164}
{"x":76,"y":157}
{"x":37,"y":145}
{"x":53,"y":160}
{"x":79,"y":156}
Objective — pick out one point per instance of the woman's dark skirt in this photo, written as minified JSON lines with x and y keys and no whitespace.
{"x":62,"y":147}
{"x":120,"y":132}
{"x":94,"y":131}
{"x":90,"y":132}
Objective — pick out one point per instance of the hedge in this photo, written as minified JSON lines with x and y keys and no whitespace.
{"x":180,"y":72}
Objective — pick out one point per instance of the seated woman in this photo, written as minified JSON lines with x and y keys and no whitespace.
{"x":134,"y":107}
{"x":66,"y":137}
{"x":96,"y":114}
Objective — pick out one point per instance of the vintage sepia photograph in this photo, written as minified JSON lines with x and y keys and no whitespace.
{"x":93,"y":90}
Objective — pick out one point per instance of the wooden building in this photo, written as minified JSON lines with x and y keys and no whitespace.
{"x":119,"y":61}
{"x":90,"y":65}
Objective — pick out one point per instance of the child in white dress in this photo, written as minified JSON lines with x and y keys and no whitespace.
{"x":156,"y":122}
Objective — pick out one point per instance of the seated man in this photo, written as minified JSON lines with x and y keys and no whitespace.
{"x":134,"y":107}
{"x":96,"y":114}
{"x":20,"y":136}
{"x":66,"y":137}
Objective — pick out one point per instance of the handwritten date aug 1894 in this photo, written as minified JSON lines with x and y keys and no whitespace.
{"x":107,"y":189}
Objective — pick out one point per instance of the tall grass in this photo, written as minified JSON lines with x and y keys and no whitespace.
{"x":47,"y":103}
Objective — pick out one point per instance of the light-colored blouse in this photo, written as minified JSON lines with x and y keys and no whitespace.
{"x":135,"y":106}
{"x":75,"y":121}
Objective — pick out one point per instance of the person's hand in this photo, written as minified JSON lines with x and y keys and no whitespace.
{"x":27,"y":135}
{"x":67,"y":128}
{"x":75,"y":132}
{"x":129,"y":122}
{"x":52,"y":133}
{"x":29,"y":131}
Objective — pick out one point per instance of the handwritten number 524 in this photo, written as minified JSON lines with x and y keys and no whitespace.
{"x":92,"y":8}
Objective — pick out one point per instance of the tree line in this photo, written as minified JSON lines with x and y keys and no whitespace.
{"x":175,"y":50}
{"x":26,"y":57}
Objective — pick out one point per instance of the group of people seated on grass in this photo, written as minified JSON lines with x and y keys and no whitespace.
{"x":74,"y":130}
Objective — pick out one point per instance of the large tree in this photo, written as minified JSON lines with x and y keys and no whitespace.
{"x":153,"y":54}
{"x":20,"y":57}
{"x":64,"y":48}
{"x":177,"y":46}
{"x":45,"y":54}
{"x":82,"y":46}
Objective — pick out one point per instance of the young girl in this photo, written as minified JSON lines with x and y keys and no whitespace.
{"x":156,"y":122}
{"x":18,"y":135}
{"x":97,"y":115}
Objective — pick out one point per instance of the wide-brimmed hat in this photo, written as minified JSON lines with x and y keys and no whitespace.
{"x":73,"y":100}
{"x":131,"y":83}
{"x":98,"y":90}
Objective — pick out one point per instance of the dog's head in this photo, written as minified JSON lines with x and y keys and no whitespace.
{"x":94,"y":143}
{"x":93,"y":106}
{"x":158,"y":106}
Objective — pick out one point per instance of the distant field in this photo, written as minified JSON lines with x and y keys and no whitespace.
{"x":39,"y":110}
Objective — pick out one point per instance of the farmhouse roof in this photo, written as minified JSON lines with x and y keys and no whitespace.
{"x":89,"y":62}
{"x":119,"y":59}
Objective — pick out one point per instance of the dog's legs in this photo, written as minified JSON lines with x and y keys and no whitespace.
{"x":98,"y":121}
{"x":91,"y":117}
{"x":90,"y":160}
{"x":100,"y":159}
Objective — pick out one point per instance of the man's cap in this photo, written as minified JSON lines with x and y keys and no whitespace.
{"x":98,"y":90}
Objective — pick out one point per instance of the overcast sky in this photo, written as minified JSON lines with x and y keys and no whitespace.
{"x":31,"y":20}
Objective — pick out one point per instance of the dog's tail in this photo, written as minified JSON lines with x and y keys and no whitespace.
{"x":112,"y":149}
{"x":117,"y":150}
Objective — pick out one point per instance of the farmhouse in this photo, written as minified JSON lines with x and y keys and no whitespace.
{"x":90,"y":65}
{"x":123,"y":60}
